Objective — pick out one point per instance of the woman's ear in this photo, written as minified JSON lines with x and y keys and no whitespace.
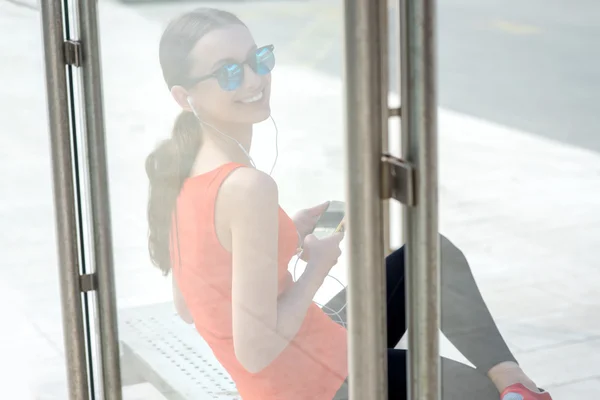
{"x":181,"y":95}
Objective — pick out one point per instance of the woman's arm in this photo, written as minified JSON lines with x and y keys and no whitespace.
{"x":180,"y":306}
{"x":263,"y":322}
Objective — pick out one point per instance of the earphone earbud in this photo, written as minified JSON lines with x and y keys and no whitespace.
{"x":190,"y":102}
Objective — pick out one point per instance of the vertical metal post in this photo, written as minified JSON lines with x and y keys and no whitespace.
{"x":419,"y":127}
{"x":366,"y":106}
{"x":64,"y":199}
{"x":383,"y":49}
{"x":100,"y":200}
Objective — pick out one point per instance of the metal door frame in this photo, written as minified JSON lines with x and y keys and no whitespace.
{"x":62,"y":55}
{"x":374,"y":176}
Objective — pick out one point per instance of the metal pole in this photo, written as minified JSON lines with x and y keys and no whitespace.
{"x":420,"y":148}
{"x":383,"y":49}
{"x":100,"y":200}
{"x":64,"y":200}
{"x":366,"y":106}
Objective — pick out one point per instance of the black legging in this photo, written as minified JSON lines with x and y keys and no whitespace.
{"x":466,"y":322}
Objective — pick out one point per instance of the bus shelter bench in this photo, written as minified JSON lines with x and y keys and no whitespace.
{"x":159,"y":348}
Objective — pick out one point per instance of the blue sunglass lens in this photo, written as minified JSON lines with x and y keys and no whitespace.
{"x":265,"y":61}
{"x":230,"y":76}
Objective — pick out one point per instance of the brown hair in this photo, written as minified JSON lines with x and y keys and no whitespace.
{"x":170,"y":164}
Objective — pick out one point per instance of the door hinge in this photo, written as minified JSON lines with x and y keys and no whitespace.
{"x":88,"y":282}
{"x":395,"y":112}
{"x":73,"y":53}
{"x":398,"y":180}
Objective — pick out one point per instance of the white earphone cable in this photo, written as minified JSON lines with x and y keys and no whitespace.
{"x":334,"y":312}
{"x":190,"y":103}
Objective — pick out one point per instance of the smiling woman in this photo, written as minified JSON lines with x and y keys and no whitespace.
{"x":215,"y":222}
{"x":216,"y":225}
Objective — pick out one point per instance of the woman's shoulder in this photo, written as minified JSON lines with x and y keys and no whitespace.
{"x":248,"y":183}
{"x":233,"y":181}
{"x":248,"y":195}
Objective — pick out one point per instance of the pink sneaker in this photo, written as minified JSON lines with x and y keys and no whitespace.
{"x":520,"y":392}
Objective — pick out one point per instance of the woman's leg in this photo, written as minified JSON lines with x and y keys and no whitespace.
{"x":468,"y":324}
{"x":459,"y":381}
{"x":396,"y":308}
{"x":466,"y":320}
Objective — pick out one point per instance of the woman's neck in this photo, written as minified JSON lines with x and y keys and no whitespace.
{"x":225,"y":138}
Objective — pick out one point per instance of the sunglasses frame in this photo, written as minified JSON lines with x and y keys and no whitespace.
{"x":194,"y":81}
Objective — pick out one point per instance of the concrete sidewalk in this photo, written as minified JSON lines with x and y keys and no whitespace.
{"x":524,"y":210}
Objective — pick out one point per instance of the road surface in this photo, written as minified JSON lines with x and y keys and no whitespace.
{"x":532,"y":65}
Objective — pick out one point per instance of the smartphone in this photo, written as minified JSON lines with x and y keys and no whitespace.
{"x":331,"y":221}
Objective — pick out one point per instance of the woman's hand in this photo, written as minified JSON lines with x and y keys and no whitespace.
{"x":323,"y":253}
{"x":305,"y":220}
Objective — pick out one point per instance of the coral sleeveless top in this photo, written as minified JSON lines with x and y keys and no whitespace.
{"x":314,"y":364}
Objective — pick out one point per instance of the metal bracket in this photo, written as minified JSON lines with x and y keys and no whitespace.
{"x":395,"y":112}
{"x":73,"y":53}
{"x":88,"y":282}
{"x":398,"y":180}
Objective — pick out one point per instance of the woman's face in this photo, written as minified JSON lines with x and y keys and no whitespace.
{"x":246,"y":104}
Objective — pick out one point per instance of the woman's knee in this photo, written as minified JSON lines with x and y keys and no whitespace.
{"x":452,"y":259}
{"x":396,"y":259}
{"x":460,"y":382}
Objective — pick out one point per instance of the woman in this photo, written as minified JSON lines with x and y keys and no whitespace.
{"x":216,"y":224}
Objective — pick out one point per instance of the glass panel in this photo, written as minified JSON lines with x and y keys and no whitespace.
{"x":82,"y":164}
{"x":519,"y":192}
{"x":163,"y":357}
{"x":31,"y":344}
{"x":394,"y":130}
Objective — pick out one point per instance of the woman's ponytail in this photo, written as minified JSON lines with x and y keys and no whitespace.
{"x":167,"y":167}
{"x":171,"y":163}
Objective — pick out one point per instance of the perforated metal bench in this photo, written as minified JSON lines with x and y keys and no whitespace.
{"x":159,"y":348}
